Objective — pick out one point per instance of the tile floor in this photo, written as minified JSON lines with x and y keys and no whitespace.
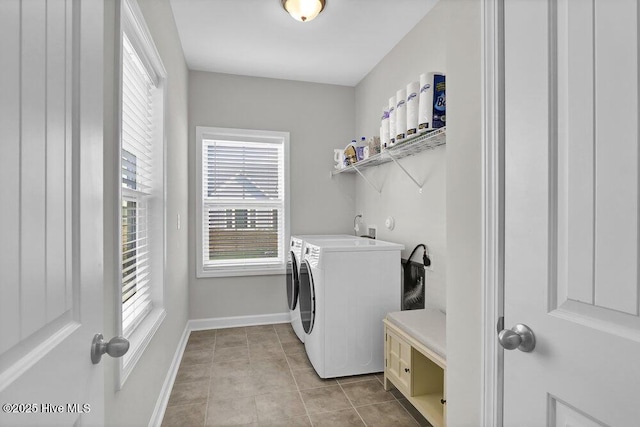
{"x":260,"y":376}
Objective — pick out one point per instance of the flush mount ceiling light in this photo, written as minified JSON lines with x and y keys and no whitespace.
{"x":303,"y":10}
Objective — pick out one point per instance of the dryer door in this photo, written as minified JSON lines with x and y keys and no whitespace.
{"x":307,"y":297}
{"x":293,"y":283}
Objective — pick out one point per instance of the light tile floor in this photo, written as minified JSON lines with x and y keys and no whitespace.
{"x":261,"y":376}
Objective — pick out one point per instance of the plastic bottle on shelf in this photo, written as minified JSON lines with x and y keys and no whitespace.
{"x":401,"y":115}
{"x":392,"y":121}
{"x":362,"y":149}
{"x":413,"y":89}
{"x":384,"y":128}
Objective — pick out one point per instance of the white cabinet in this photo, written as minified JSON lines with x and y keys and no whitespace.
{"x":417,"y":372}
{"x":398,"y":362}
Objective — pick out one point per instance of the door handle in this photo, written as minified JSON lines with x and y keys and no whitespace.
{"x":116,"y":347}
{"x":520,"y":337}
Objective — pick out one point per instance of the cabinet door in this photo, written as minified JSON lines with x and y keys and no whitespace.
{"x":398,"y":362}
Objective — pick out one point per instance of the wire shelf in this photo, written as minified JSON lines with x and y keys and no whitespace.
{"x":408,"y":147}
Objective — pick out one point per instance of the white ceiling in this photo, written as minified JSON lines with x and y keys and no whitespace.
{"x":258,"y":38}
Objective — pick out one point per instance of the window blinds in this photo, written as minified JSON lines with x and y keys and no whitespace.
{"x":137,"y":185}
{"x":243,"y":204}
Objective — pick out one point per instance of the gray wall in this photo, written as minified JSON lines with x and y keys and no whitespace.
{"x":464,"y":214}
{"x":419,"y":218}
{"x":447,"y":215}
{"x":134,"y":404}
{"x":319,"y":118}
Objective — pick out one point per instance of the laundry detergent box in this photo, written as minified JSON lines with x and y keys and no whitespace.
{"x":432,"y":101}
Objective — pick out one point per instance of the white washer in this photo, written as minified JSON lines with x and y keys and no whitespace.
{"x":293,"y":268}
{"x":346,"y":289}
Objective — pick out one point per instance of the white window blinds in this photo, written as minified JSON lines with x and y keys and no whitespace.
{"x":137,"y":187}
{"x":243,"y":202}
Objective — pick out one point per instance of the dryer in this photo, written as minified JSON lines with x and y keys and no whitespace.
{"x":292,"y":283}
{"x":293,"y":268}
{"x":346,"y":289}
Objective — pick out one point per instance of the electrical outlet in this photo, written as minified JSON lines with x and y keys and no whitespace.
{"x":373,"y":231}
{"x":430,"y":266}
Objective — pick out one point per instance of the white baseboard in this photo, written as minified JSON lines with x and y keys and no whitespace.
{"x":229,"y":322}
{"x":198,"y":325}
{"x":165,"y":392}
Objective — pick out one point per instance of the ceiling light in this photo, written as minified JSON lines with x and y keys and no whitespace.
{"x":303,"y":10}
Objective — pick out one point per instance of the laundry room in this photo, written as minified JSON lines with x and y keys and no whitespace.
{"x":319,"y":213}
{"x":321,"y":118}
{"x":248,"y":275}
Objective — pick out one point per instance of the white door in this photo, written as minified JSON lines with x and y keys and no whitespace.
{"x":50,"y":211}
{"x":572,"y":211}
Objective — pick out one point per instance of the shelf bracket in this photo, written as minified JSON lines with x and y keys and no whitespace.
{"x":379,"y":190}
{"x":406,"y":172}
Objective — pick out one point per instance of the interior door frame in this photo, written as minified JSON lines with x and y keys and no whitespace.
{"x":492,"y":58}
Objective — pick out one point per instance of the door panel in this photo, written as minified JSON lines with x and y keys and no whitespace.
{"x":597,"y":166}
{"x":563,"y":415}
{"x":32,"y":167}
{"x":59,"y":295}
{"x":571,"y":210}
{"x":51,"y":216}
{"x":39,"y":276}
{"x":616,"y":144}
{"x":9,"y":173}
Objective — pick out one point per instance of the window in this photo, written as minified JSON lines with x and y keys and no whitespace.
{"x":137,"y":160}
{"x":242,"y":212}
{"x":141,"y":186}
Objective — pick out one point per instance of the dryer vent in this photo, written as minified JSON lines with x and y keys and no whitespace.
{"x":415,"y":295}
{"x":413,"y":280}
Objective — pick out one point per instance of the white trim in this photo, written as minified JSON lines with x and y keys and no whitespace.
{"x":233,"y":272}
{"x":493,"y":208}
{"x":167,"y":386}
{"x":229,"y":322}
{"x":129,"y":18}
{"x":133,"y":21}
{"x":140,"y":339}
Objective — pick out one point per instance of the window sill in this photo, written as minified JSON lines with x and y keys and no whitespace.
{"x":139,"y":341}
{"x":239,"y":272}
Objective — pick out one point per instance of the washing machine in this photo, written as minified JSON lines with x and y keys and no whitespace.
{"x":293,"y":268}
{"x":346,"y":289}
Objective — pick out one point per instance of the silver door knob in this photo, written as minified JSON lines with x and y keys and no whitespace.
{"x":520,"y":337}
{"x":116,"y":347}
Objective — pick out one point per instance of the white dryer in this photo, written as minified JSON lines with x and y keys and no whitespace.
{"x":346,"y":289}
{"x":293,"y":268}
{"x":295,"y":255}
